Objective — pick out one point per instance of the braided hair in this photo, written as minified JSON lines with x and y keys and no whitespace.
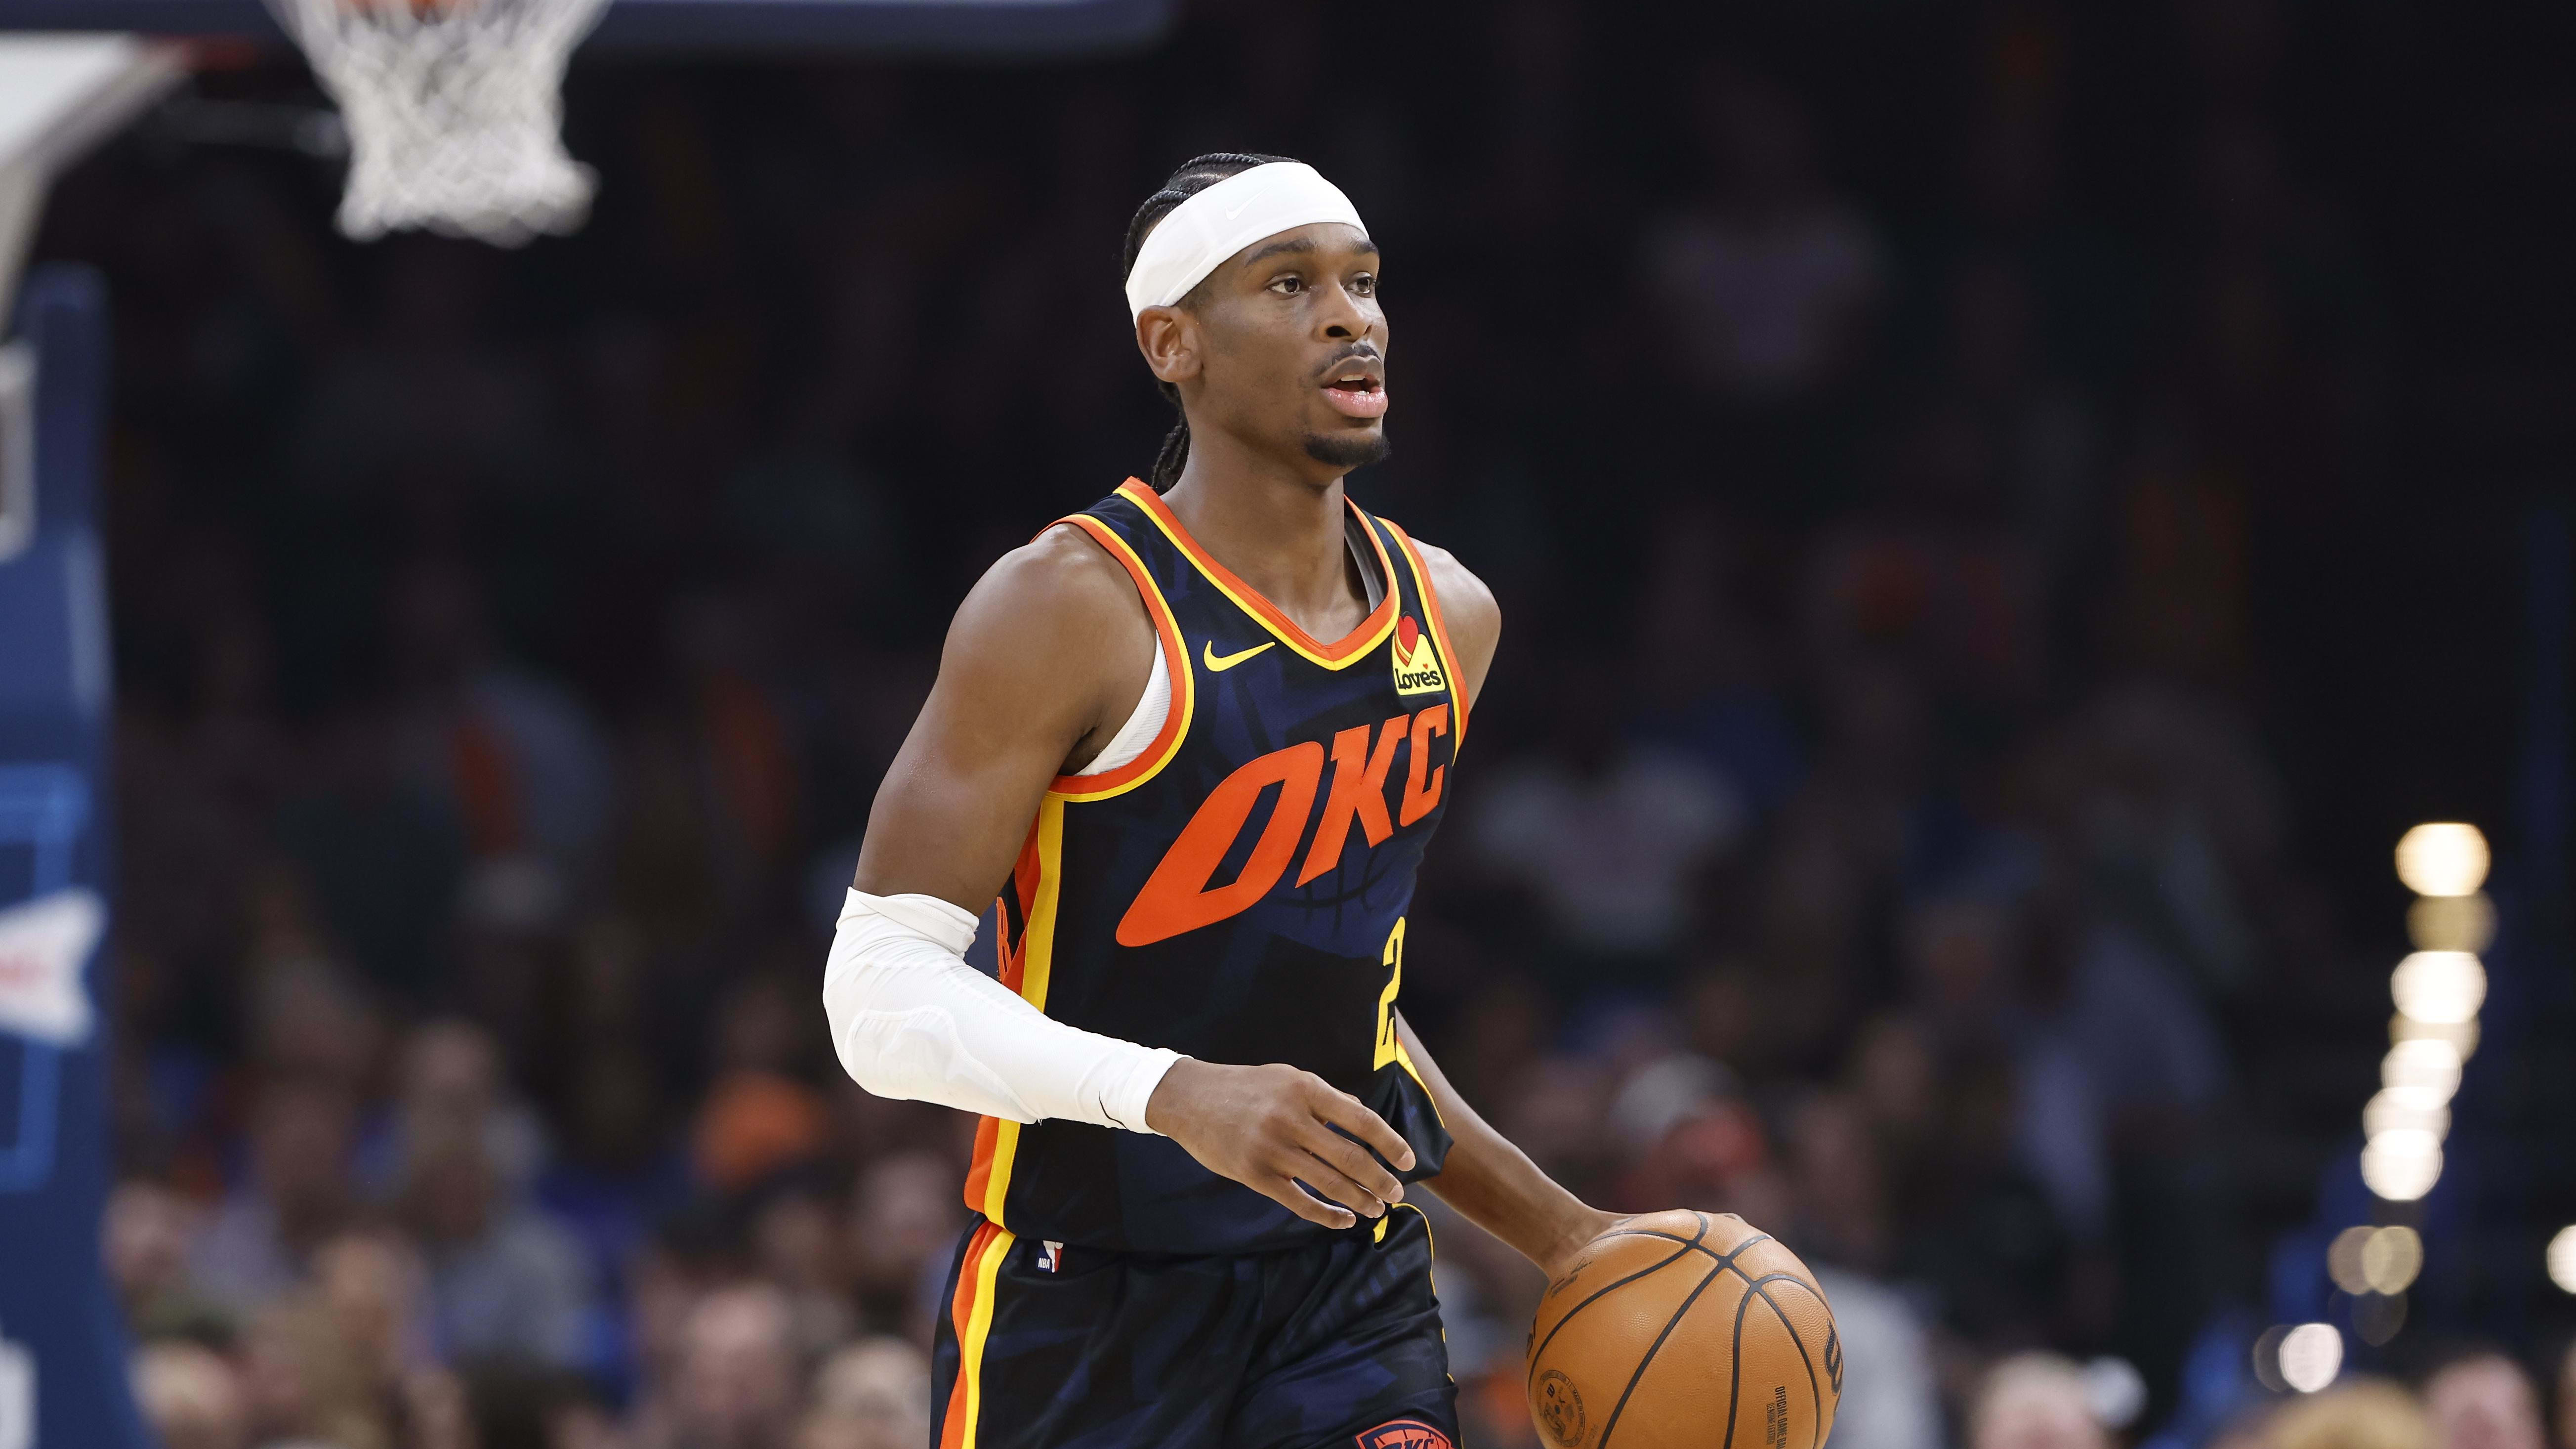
{"x":1195,"y":175}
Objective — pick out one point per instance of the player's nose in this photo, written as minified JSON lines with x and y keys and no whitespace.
{"x":1344,"y":316}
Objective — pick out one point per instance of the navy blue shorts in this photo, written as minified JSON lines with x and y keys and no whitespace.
{"x":1332,"y":1344}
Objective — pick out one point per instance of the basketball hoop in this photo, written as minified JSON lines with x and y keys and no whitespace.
{"x":454,"y":110}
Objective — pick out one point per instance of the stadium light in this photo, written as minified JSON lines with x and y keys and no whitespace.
{"x":2375,"y":1260}
{"x":2443,"y":859}
{"x":2402,"y":1165}
{"x":2562,"y":1258}
{"x":2463,"y":1036}
{"x":2394,"y":1111}
{"x":2311,"y":1356}
{"x":2422,"y":1072}
{"x":2445,"y":988}
{"x":2451,"y":923}
{"x":2391,"y":1259}
{"x":2343,"y":1259}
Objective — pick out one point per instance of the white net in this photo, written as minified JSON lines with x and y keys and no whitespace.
{"x":454,"y":110}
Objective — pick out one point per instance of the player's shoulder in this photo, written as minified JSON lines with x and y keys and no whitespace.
{"x":1465,"y":601}
{"x":1058,"y":591}
{"x":1061,"y":568}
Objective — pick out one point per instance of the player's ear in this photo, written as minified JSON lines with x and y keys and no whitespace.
{"x":1169,"y":338}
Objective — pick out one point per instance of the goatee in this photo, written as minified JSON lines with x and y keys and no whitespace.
{"x":1349,"y":450}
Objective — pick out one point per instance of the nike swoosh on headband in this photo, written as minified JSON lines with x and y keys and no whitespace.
{"x":1219,"y":665}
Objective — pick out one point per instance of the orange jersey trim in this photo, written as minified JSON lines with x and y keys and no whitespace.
{"x":970,"y":1316}
{"x":1037,"y":878}
{"x":1176,"y":664}
{"x":1439,"y":631}
{"x":1337,"y":655}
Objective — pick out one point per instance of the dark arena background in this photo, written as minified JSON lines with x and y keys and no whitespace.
{"x":2005,"y":515}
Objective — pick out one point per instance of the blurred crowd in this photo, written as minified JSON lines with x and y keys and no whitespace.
{"x":1871,"y":827}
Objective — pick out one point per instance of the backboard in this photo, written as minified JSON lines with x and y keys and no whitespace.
{"x":894,"y":27}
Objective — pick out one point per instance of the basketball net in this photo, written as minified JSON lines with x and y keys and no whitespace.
{"x":454,"y":110}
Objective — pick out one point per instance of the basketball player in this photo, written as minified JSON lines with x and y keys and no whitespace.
{"x":1199,"y":734}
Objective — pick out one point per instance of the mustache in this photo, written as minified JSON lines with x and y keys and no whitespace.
{"x":1356,"y":352}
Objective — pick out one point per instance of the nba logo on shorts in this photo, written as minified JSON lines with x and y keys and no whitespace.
{"x":1051,"y":1257}
{"x":1404,"y":1434}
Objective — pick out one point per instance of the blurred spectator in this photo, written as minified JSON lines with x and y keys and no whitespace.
{"x":1891,"y":1394}
{"x":796,"y":1244}
{"x":309,"y":1019}
{"x":1608,"y":836}
{"x":384,"y":858}
{"x":2034,"y":1401}
{"x":760,"y":1115}
{"x":190,"y":1396}
{"x":147,"y":1239}
{"x":2563,"y":1396}
{"x":2482,"y":1399}
{"x":1769,"y":280}
{"x":2355,"y":1414}
{"x":502,"y":1279}
{"x":753,"y":1124}
{"x":307,"y":1382}
{"x":737,"y":1381}
{"x":449,"y":1082}
{"x":1841,"y":1184}
{"x":295,"y":1194}
{"x":1707,"y":680}
{"x":1891,"y":1387}
{"x":905,"y":1216}
{"x":514,"y":754}
{"x":516,"y":1405}
{"x":1965,"y":955}
{"x":873,"y":1394}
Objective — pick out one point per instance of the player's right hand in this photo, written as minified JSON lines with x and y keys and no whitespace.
{"x":1271,"y":1128}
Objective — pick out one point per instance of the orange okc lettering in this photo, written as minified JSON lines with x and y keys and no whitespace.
{"x":1358,"y":793}
{"x":1417,"y":799}
{"x":1177,"y":896}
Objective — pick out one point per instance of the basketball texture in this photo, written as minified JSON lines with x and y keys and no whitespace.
{"x":1685,"y":1328}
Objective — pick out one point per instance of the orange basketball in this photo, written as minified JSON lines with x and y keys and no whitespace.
{"x":1685,"y":1328}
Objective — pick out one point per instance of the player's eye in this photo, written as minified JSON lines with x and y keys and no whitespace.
{"x":1364,"y":285}
{"x":1289,"y":286}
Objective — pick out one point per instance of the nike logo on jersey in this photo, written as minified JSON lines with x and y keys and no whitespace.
{"x":1219,"y":664}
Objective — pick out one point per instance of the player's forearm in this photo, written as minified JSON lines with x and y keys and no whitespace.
{"x":1494,"y":1185}
{"x":912,"y":1021}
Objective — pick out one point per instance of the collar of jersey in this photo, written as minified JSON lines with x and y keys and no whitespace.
{"x":1338,"y":655}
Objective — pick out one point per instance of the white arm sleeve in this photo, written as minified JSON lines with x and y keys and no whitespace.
{"x":911,"y":1020}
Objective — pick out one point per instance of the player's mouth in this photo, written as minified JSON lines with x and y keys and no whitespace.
{"x":1355,"y":390}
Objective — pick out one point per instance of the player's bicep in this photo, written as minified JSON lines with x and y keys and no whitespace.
{"x":1019,"y":684}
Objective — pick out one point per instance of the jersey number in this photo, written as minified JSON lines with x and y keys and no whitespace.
{"x":1388,"y":1048}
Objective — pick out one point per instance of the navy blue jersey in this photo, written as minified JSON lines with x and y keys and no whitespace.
{"x":1237,"y":892}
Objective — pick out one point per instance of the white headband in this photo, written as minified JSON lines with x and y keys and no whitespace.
{"x":1194,"y":237}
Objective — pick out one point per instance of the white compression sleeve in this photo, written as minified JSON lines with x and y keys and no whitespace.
{"x":911,"y":1020}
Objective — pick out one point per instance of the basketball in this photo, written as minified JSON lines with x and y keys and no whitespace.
{"x":1685,"y":1328}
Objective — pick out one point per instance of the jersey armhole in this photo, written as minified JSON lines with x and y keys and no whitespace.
{"x":1176,"y":668}
{"x":1439,"y":628}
